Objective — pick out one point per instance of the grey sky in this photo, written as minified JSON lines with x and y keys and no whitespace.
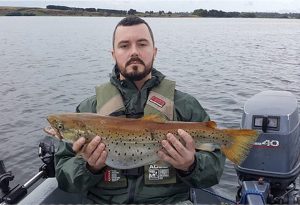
{"x":170,"y":5}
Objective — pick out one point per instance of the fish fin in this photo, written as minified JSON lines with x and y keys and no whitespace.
{"x":241,"y":143}
{"x":211,"y":124}
{"x":207,"y":147}
{"x":154,"y":118}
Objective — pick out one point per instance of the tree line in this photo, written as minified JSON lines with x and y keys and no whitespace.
{"x":197,"y":12}
{"x":107,"y":11}
{"x":223,"y":14}
{"x":113,"y":12}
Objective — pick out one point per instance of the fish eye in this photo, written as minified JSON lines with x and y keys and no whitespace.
{"x":60,"y":126}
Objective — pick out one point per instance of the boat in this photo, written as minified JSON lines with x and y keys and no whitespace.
{"x":267,"y":176}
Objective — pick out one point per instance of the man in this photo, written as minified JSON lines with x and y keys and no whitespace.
{"x":137,"y":89}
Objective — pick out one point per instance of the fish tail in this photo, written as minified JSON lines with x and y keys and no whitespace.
{"x":241,"y":143}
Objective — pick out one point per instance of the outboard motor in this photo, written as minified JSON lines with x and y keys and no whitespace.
{"x":269,"y":173}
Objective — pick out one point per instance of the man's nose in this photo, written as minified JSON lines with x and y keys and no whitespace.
{"x":134,"y":50}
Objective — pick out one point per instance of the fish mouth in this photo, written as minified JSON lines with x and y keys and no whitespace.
{"x":53,"y":132}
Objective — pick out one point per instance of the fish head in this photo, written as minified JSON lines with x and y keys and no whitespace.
{"x":66,"y":128}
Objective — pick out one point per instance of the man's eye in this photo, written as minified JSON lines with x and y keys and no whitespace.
{"x":123,"y":46}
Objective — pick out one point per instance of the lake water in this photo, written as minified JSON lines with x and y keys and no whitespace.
{"x":50,"y":64}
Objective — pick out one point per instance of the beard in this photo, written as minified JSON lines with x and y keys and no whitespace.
{"x":135,"y":74}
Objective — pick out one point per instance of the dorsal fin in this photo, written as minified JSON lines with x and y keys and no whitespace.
{"x":154,"y":118}
{"x":211,"y":124}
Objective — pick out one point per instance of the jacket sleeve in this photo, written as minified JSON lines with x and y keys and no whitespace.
{"x":71,"y":172}
{"x":209,"y":165}
{"x":208,"y":170}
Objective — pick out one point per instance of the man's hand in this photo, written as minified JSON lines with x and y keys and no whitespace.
{"x":178,"y":155}
{"x":93,"y":153}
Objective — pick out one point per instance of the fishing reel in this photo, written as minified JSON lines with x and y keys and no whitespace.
{"x":46,"y":154}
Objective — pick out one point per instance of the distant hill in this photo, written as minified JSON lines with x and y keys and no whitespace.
{"x":56,"y":10}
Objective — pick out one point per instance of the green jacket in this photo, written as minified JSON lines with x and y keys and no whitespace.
{"x":73,"y":176}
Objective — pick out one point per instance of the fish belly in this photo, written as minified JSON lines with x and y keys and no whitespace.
{"x":128,"y":154}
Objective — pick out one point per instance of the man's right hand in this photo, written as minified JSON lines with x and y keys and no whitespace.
{"x":93,"y":153}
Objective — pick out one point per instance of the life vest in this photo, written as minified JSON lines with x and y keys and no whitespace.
{"x":160,"y":102}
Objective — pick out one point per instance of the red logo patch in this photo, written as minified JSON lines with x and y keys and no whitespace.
{"x":107,"y":175}
{"x":157,"y":101}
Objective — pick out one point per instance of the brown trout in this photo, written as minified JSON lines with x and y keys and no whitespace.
{"x":132,"y":143}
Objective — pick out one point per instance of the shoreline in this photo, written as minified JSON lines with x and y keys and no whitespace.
{"x":52,"y":10}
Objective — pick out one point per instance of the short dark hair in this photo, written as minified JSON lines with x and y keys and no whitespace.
{"x":130,"y":21}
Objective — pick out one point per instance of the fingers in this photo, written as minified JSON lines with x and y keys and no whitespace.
{"x":173,"y":146}
{"x":189,"y":141}
{"x":168,"y":154}
{"x":180,"y":155}
{"x":93,"y":153}
{"x":91,"y":147}
{"x":97,"y":155}
{"x":78,"y":144}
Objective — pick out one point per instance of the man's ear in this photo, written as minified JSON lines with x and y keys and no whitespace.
{"x":113,"y":54}
{"x":155,"y":51}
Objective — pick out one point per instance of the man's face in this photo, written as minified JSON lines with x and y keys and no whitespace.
{"x":134,"y":51}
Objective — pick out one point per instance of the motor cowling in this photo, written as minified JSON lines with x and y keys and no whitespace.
{"x":275,"y":156}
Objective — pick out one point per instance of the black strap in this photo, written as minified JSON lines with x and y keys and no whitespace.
{"x":133,"y":172}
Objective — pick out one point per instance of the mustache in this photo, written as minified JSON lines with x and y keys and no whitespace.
{"x":134,"y":59}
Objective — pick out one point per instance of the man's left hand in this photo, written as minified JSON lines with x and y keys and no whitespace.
{"x":176,"y":153}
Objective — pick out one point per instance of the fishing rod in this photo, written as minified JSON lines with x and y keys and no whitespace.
{"x":14,"y":195}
